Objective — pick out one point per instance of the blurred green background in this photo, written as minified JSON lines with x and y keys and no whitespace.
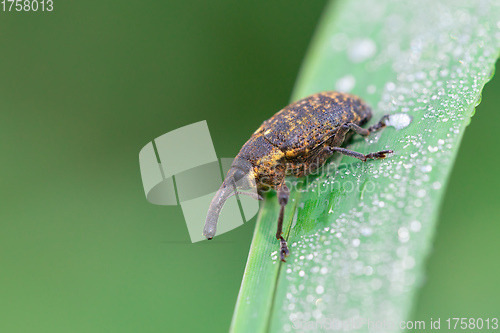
{"x":85,"y":87}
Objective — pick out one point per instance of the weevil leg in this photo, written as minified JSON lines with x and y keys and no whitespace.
{"x":342,"y":131}
{"x":379,"y":125}
{"x":360,"y":156}
{"x":339,"y":137}
{"x":359,"y":130}
{"x":283,"y":194}
{"x":363,"y":131}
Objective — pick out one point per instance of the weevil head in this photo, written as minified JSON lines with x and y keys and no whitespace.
{"x":239,"y":177}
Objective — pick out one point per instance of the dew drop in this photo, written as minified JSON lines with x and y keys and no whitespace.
{"x":365,"y":231}
{"x":346,"y":83}
{"x":403,"y":234}
{"x":398,"y":120}
{"x":361,"y":50}
{"x":426,"y":168}
{"x":421,"y":193}
{"x":436,"y":185}
{"x":408,"y":262}
{"x":415,"y":226}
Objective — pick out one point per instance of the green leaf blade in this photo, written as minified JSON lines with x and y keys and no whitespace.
{"x":359,"y":233}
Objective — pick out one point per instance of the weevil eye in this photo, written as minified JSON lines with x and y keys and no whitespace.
{"x":238,"y":175}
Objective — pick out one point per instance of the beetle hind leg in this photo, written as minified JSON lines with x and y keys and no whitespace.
{"x":283,"y":194}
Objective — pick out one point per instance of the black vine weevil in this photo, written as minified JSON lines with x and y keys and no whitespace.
{"x":295,"y":141}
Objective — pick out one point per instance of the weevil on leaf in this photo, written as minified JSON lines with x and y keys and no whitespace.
{"x":295,"y":141}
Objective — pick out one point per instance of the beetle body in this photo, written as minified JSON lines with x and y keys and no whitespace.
{"x":295,"y":136}
{"x":295,"y":141}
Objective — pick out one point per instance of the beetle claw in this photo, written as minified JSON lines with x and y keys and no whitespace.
{"x":379,"y":155}
{"x":284,"y":252}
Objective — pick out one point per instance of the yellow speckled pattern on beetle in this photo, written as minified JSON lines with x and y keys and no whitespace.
{"x":295,"y":141}
{"x":303,"y":124}
{"x":302,"y":127}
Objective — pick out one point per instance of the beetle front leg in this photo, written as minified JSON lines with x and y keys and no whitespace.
{"x":360,"y":156}
{"x":283,"y":195}
{"x":379,"y":125}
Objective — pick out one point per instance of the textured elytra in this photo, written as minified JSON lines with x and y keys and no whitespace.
{"x":303,"y":125}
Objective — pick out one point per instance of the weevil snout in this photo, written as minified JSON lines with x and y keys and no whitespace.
{"x":220,"y":198}
{"x":239,"y":177}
